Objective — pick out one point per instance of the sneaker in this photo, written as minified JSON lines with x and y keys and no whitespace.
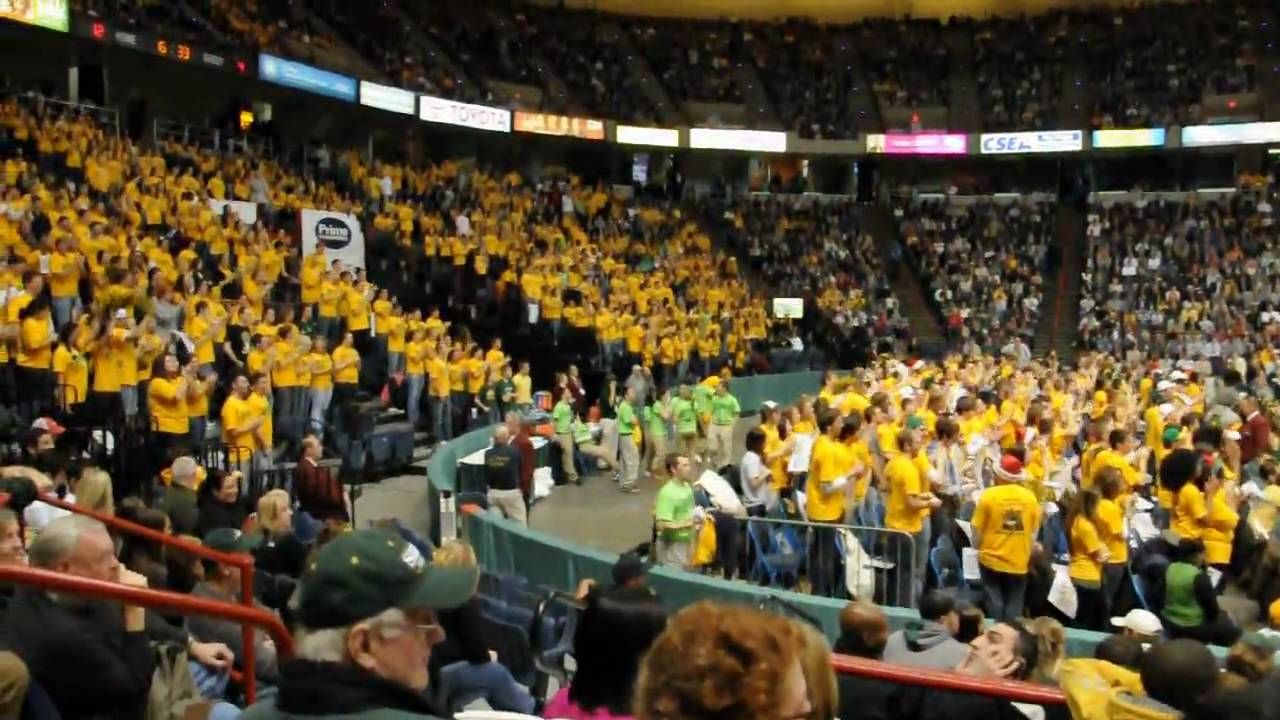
{"x":617,"y":476}
{"x":630,"y":489}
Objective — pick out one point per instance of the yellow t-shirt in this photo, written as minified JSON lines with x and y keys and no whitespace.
{"x":35,"y":350}
{"x":438,"y":371}
{"x":168,"y":407}
{"x":283,"y":372}
{"x":204,"y":350}
{"x":1189,"y":512}
{"x":74,"y":373}
{"x":1219,"y":531}
{"x":476,"y":375}
{"x":458,"y":376}
{"x":236,"y":412}
{"x":904,"y":480}
{"x":827,"y":463}
{"x":321,"y":370}
{"x":414,"y":363}
{"x":523,"y":385}
{"x":64,"y":275}
{"x":1111,"y":529}
{"x":1007,"y":518}
{"x":351,"y":373}
{"x":260,"y":406}
{"x":1085,"y":543}
{"x":198,"y":401}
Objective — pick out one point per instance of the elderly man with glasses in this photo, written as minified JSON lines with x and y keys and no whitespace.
{"x":367,"y":622}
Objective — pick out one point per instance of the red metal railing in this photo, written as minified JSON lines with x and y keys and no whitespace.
{"x":1012,"y":690}
{"x":242,"y":561}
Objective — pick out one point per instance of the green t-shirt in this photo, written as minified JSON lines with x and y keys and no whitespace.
{"x":501,"y":389}
{"x":655,"y":426}
{"x":702,"y":398}
{"x":685,"y":415}
{"x":626,"y":418}
{"x":675,"y":504}
{"x":562,"y":418}
{"x":724,"y":409}
{"x":581,"y":432}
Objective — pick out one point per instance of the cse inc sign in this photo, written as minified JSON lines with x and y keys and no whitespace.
{"x":1031,"y":142}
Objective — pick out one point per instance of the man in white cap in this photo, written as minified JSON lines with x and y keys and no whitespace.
{"x":1141,"y":625}
{"x":1005,"y":524}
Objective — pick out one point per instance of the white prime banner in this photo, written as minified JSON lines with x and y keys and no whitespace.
{"x":246,"y":211}
{"x":339,"y":233}
{"x":476,"y":117}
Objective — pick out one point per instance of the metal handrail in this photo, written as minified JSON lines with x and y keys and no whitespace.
{"x":1012,"y":690}
{"x":242,"y":561}
{"x":163,"y":600}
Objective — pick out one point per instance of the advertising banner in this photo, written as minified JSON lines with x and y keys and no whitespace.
{"x":657,"y":137}
{"x":304,"y":77}
{"x":49,"y":14}
{"x":385,"y":97}
{"x":1128,"y":138}
{"x":931,"y":143}
{"x":1047,"y":141}
{"x":476,"y":117}
{"x":746,"y":140}
{"x":246,"y":211}
{"x":1234,"y":134}
{"x":563,"y":125}
{"x":341,"y":235}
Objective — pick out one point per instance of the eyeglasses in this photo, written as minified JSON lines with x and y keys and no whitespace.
{"x":430,"y":631}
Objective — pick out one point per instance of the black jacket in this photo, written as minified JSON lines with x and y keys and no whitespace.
{"x":324,"y":690}
{"x":215,"y":514}
{"x":283,"y":555}
{"x":81,"y":655}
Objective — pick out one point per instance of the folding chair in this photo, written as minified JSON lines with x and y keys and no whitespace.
{"x":778,"y":552}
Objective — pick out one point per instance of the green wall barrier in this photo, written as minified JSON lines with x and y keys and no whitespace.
{"x":783,"y":388}
{"x":510,"y":549}
{"x":442,"y":468}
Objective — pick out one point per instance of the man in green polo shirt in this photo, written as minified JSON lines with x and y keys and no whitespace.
{"x":685,"y":415}
{"x":627,"y":447}
{"x":673,"y":513}
{"x":562,"y":425}
{"x":724,"y":413}
{"x":656,"y":419}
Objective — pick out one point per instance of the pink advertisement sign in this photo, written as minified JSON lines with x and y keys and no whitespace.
{"x":919,"y":144}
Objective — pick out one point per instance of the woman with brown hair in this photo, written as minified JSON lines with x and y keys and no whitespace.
{"x":725,"y":662}
{"x":819,"y":678}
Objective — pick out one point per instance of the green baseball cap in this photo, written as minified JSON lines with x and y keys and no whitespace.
{"x":230,"y":540}
{"x":1171,"y":434}
{"x":915,"y":422}
{"x":362,"y":573}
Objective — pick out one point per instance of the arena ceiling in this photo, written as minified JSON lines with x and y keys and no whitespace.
{"x":826,"y":10}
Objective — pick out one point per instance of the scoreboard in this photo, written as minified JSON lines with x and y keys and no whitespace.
{"x":160,"y":45}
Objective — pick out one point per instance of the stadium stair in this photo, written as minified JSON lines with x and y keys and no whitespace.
{"x":556,"y":94}
{"x":1060,"y":315}
{"x":862,"y":101}
{"x":342,"y":56}
{"x":965,"y":112}
{"x":1075,"y":101}
{"x":926,"y":326}
{"x":669,"y":112}
{"x":761,"y":113}
{"x":456,"y":67}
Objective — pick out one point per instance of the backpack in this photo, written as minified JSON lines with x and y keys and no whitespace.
{"x":173,"y":691}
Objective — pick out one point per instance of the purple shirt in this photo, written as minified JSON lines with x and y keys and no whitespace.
{"x":562,"y":708}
